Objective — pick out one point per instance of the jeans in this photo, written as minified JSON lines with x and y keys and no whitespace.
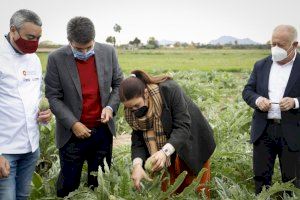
{"x":17,"y":185}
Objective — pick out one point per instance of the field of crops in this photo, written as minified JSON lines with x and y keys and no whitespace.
{"x":217,"y":93}
{"x":186,"y":59}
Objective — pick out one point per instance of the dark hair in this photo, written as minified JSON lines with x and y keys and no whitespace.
{"x":22,"y":16}
{"x":80,"y":30}
{"x":135,"y":85}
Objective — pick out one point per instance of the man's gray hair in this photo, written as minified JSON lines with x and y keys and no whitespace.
{"x":80,"y":30}
{"x":291,"y":29}
{"x":22,"y":16}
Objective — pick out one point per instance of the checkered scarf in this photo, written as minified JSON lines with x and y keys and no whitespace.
{"x":150,"y":124}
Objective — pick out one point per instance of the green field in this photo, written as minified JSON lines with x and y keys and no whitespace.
{"x":185,"y":59}
{"x":214,"y":80}
{"x":218,"y":95}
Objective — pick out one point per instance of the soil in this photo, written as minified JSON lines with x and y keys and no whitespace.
{"x":124,"y":139}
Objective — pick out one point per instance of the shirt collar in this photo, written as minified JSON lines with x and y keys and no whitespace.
{"x":8,"y":40}
{"x":291,"y":61}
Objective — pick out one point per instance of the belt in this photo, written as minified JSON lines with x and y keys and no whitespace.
{"x":274,"y":121}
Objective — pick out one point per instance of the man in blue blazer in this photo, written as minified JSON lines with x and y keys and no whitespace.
{"x":273,"y":91}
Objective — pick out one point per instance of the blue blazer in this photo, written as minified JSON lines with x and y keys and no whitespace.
{"x":258,"y":86}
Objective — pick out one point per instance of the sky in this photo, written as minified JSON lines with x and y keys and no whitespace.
{"x":174,"y":20}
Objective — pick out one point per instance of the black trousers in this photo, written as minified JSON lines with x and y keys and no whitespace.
{"x":73,"y":154}
{"x":265,"y":150}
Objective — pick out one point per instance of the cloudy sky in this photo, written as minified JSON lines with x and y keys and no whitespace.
{"x":176,"y":20}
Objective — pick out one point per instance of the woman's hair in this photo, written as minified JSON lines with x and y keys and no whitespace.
{"x":135,"y":85}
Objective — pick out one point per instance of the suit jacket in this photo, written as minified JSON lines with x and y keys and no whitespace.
{"x":185,"y":126}
{"x":63,"y":88}
{"x":258,"y":86}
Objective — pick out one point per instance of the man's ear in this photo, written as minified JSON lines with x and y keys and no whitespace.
{"x":295,"y":44}
{"x":13,"y":29}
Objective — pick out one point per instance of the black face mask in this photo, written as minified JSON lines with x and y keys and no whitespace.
{"x":141,"y":112}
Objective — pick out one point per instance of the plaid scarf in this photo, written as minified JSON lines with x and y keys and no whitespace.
{"x":150,"y":124}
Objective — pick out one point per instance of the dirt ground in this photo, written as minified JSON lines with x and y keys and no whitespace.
{"x":120,"y":140}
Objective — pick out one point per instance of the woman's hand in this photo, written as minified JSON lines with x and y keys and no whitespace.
{"x":158,"y":160}
{"x":138,"y":173}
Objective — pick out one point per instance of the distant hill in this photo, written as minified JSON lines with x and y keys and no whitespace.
{"x":232,"y":40}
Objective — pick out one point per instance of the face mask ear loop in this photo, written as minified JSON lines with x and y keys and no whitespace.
{"x":289,"y":49}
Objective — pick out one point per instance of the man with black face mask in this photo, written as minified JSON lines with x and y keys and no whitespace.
{"x":20,"y":93}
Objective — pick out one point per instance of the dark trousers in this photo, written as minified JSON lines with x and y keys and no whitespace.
{"x":73,"y":154}
{"x":265,"y":151}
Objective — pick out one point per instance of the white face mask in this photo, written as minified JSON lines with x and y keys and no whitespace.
{"x":279,"y":54}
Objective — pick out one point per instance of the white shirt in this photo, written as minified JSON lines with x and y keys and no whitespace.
{"x":20,"y":92}
{"x":278,"y":79}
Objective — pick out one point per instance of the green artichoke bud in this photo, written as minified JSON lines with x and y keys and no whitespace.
{"x":44,"y":104}
{"x":148,"y":165}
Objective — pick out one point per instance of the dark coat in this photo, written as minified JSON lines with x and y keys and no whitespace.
{"x":185,"y":126}
{"x":258,"y":86}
